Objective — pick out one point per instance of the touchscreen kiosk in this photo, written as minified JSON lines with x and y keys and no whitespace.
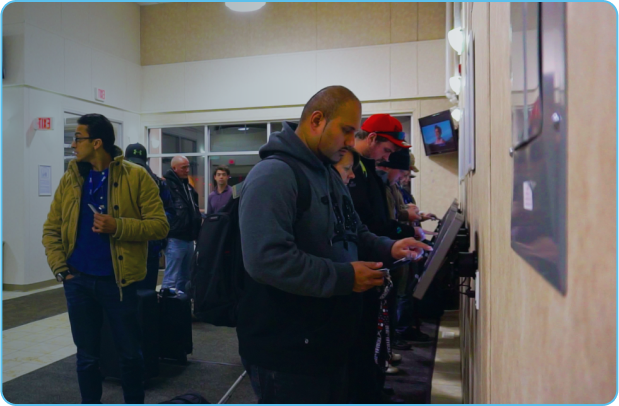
{"x":444,"y":241}
{"x":447,"y":218}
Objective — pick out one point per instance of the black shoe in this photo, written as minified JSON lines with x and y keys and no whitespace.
{"x":401,"y":345}
{"x":416,"y":336}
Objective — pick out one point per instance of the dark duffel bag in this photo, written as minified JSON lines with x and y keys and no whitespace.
{"x":175,"y":325}
{"x":188,"y":398}
{"x":148,"y":318}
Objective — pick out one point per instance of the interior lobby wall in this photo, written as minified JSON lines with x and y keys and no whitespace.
{"x":528,"y":343}
{"x":56,"y":55}
{"x":189,"y":32}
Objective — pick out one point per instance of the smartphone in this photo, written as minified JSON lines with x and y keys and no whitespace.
{"x":93,"y":208}
{"x":395,"y":265}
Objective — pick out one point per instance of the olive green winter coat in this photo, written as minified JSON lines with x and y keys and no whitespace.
{"x":133,"y":199}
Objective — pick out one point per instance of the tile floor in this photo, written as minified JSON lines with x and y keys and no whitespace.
{"x":447,"y":379}
{"x":34,"y":345}
{"x":12,"y":295}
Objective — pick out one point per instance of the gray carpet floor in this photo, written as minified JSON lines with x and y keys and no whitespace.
{"x":212,"y":369}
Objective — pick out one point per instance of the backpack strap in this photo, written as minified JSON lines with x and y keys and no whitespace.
{"x":304,"y":198}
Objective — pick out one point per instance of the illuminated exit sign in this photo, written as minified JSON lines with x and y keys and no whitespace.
{"x":43,"y":123}
{"x":99,"y":94}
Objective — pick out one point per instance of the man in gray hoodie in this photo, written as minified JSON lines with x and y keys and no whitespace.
{"x":299,"y":311}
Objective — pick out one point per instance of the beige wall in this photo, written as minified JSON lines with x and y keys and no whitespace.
{"x":186,"y":32}
{"x":528,"y":343}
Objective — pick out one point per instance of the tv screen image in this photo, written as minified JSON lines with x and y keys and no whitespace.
{"x":438,"y":133}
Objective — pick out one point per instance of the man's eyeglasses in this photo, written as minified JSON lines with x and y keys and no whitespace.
{"x":78,"y":139}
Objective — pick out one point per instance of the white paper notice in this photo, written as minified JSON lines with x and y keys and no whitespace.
{"x":45,"y":180}
{"x":527,"y":195}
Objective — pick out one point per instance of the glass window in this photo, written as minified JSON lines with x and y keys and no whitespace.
{"x":160,"y":167}
{"x":238,"y":137}
{"x":176,"y":140}
{"x":239,"y":166}
{"x":278,"y":125}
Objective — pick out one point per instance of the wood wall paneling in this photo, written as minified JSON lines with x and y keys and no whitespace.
{"x":185,"y":32}
{"x":546,"y":347}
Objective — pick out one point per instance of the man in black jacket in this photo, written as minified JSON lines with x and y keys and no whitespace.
{"x":379,"y":137}
{"x":184,"y":225}
{"x":298,"y":314}
{"x":137,"y":154}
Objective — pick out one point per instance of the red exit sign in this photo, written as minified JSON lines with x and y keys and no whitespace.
{"x":44,"y":123}
{"x":99,"y":94}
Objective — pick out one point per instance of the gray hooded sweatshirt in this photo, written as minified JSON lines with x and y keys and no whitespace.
{"x":298,"y":312}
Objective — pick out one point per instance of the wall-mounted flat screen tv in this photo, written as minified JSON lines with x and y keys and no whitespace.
{"x":438,"y":133}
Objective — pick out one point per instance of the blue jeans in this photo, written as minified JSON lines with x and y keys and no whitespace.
{"x":88,"y":297}
{"x":281,"y":387}
{"x":178,"y":255}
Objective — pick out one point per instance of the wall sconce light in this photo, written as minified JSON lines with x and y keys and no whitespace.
{"x":245,"y":7}
{"x":456,"y":113}
{"x":456,"y":39}
{"x":455,"y":82}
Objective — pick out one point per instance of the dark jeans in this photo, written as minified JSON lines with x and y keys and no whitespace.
{"x":407,"y":309}
{"x":88,"y":297}
{"x":366,"y":377}
{"x":280,"y":387}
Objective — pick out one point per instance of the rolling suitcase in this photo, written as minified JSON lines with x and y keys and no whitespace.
{"x":148,"y":317}
{"x":175,"y":325}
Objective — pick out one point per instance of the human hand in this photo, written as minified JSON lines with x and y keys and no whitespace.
{"x":104,"y":224}
{"x":69,"y":276}
{"x":409,"y":248}
{"x":366,"y":275}
{"x":428,"y":216}
{"x":413,"y":212}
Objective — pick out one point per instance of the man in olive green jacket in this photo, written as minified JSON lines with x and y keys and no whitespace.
{"x":104,"y":212}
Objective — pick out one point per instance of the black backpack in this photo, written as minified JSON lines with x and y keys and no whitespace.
{"x":217,"y":269}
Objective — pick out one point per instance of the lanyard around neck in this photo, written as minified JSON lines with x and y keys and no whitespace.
{"x":91,"y":187}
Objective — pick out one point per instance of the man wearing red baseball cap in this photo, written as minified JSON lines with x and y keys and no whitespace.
{"x":379,"y":137}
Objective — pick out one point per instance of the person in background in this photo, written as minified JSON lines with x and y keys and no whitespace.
{"x":219,"y":197}
{"x":184,"y":228}
{"x":104,"y":211}
{"x":347,"y":165}
{"x":379,"y":136}
{"x":137,"y":154}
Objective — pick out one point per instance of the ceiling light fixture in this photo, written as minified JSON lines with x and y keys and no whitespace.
{"x":456,"y":39}
{"x":245,"y":7}
{"x":243,"y":128}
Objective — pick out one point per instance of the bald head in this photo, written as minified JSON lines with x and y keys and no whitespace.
{"x":328,"y":101}
{"x":180,"y":166}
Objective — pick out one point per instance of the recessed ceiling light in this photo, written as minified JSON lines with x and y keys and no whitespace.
{"x":245,"y":7}
{"x":243,"y":128}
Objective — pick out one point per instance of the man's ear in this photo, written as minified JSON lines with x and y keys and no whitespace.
{"x":97,"y":143}
{"x":316,"y":120}
{"x":372,"y":138}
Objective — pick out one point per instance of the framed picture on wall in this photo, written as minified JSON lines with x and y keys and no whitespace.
{"x":470,"y":103}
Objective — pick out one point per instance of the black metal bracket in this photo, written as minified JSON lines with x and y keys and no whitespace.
{"x":466,"y":264}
